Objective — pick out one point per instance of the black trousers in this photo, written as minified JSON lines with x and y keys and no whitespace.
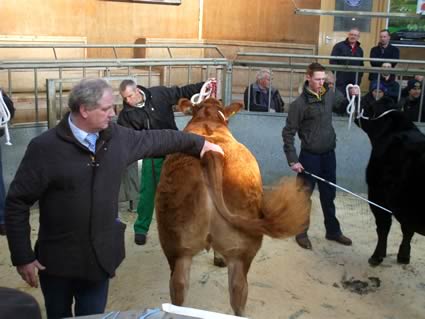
{"x":323,"y":165}
{"x":60,"y":293}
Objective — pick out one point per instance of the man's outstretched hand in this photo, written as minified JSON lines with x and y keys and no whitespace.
{"x":208,"y":146}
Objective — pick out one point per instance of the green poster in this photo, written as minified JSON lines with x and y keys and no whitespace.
{"x":406,"y":30}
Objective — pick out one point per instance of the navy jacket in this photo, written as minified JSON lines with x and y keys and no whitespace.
{"x":255,"y":104}
{"x":392,"y":87}
{"x":343,"y":48}
{"x":379,"y":52}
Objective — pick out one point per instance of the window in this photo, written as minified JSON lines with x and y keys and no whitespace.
{"x":408,"y":31}
{"x":346,"y":23}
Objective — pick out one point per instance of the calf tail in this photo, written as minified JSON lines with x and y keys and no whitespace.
{"x":286,"y":208}
{"x":213,"y":164}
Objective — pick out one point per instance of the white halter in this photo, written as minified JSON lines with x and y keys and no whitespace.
{"x":351,"y":107}
{"x":209,"y":89}
{"x":378,"y":117}
{"x":4,"y":118}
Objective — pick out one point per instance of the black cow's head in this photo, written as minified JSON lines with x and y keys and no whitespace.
{"x":382,"y":117}
{"x":372,"y":110}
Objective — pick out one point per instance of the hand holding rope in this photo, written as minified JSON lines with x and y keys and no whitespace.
{"x":209,"y":89}
{"x":352,"y":108}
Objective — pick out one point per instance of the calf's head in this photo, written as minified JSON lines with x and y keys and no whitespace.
{"x":210,"y":110}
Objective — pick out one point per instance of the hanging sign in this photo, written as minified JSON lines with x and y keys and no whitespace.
{"x":353,"y":3}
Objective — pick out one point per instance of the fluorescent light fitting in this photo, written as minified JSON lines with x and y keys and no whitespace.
{"x":367,"y":14}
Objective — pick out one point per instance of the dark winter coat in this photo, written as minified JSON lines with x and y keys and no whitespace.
{"x":255,"y":104}
{"x":379,"y":52}
{"x":80,"y":234}
{"x":410,"y":107}
{"x":392,"y":87}
{"x":311,"y":118}
{"x":158,"y":110}
{"x":343,"y":48}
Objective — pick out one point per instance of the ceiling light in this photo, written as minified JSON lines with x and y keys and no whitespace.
{"x":366,"y":14}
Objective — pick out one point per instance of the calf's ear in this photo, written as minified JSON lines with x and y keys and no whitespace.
{"x":232,"y":109}
{"x":185,"y":106}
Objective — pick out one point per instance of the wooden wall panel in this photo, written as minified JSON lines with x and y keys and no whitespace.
{"x":108,"y":21}
{"x":123,"y":22}
{"x":259,"y":20}
{"x":101,"y":21}
{"x":50,"y":18}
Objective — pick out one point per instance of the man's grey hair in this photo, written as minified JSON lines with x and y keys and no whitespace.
{"x":127,"y":83}
{"x":87,"y":92}
{"x":262,"y":74}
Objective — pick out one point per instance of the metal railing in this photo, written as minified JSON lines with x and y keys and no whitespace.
{"x":107,"y":66}
{"x":290,"y":65}
{"x":55,"y":110}
{"x":113,"y":47}
{"x":291,"y":62}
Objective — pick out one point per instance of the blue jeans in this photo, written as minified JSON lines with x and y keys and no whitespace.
{"x":2,"y":192}
{"x":323,"y":165}
{"x":59,"y":294}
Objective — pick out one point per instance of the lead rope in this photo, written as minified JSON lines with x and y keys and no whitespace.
{"x":4,"y":118}
{"x":209,"y":89}
{"x":351,"y":107}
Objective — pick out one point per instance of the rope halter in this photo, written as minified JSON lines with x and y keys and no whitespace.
{"x":4,"y":118}
{"x":351,"y":107}
{"x":209,"y":89}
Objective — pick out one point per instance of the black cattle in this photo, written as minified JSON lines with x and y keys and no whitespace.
{"x":395,"y":175}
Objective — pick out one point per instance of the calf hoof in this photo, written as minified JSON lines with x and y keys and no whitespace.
{"x":219,"y":262}
{"x":403,"y":260}
{"x":375,"y":261}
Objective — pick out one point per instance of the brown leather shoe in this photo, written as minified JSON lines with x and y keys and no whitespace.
{"x":341,"y":239}
{"x":303,"y":241}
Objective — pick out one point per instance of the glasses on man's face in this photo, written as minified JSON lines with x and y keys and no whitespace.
{"x":354,"y":35}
